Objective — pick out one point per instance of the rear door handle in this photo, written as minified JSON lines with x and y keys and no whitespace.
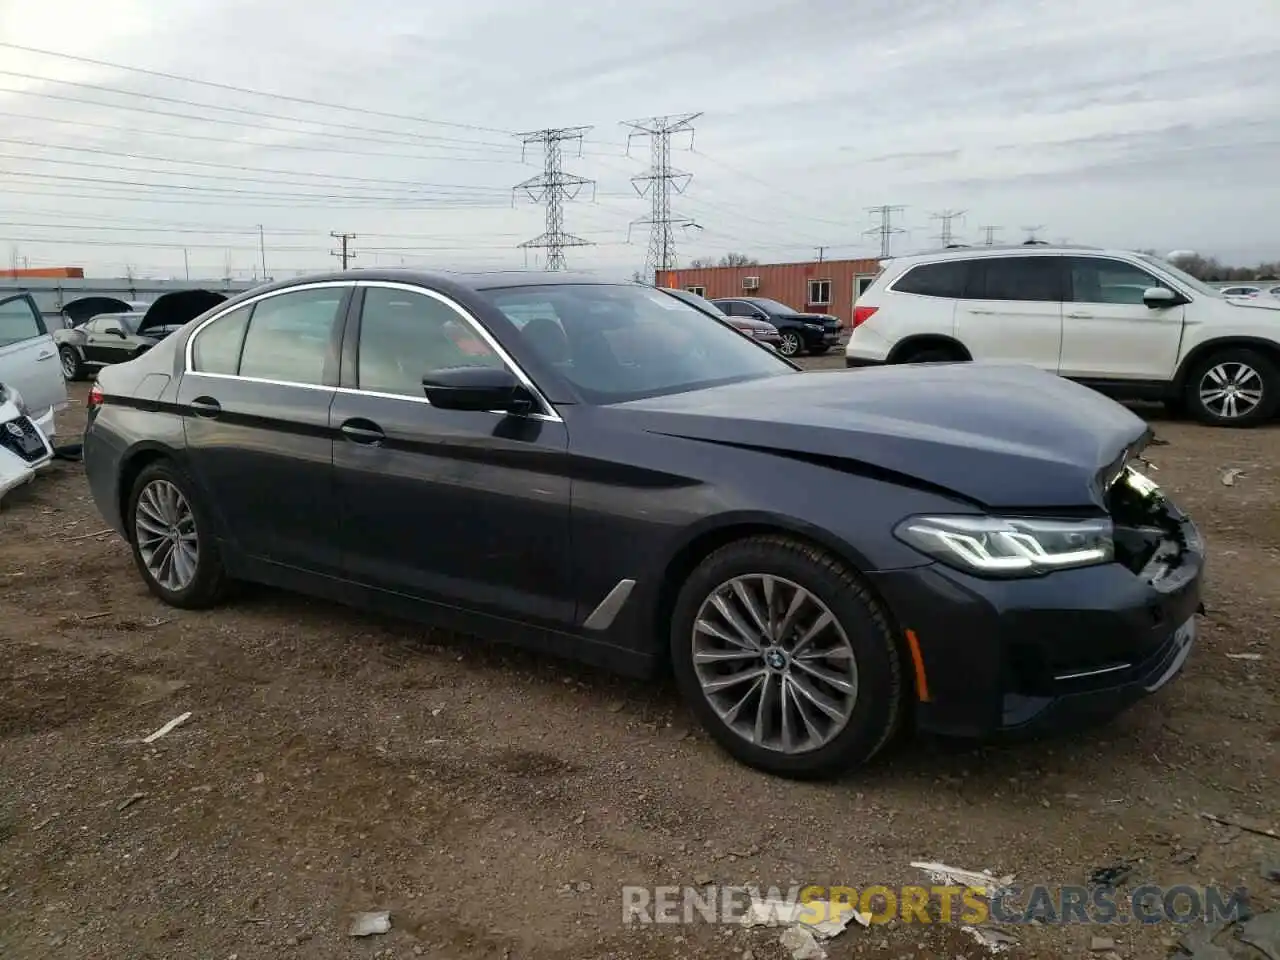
{"x":363,"y":431}
{"x":985,"y":313}
{"x":1079,"y":316}
{"x":46,"y":356}
{"x":206,"y":407}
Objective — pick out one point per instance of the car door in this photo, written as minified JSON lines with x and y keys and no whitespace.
{"x":255,"y":402}
{"x":29,"y":357}
{"x":1108,"y":332}
{"x":461,"y":507}
{"x":107,"y":340}
{"x":1012,"y":310}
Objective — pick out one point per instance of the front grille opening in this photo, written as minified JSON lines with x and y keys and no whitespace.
{"x":1146,"y":531}
{"x":21,"y":437}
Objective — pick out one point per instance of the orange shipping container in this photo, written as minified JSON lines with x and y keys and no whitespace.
{"x":45,"y":273}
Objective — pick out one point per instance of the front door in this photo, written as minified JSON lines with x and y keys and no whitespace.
{"x":1012,"y":310}
{"x":1108,"y":332}
{"x":107,"y":340}
{"x":256,"y":414}
{"x":29,"y":357}
{"x":467,"y":508}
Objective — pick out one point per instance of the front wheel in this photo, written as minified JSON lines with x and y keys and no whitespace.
{"x":787,"y":659}
{"x":172,"y":539}
{"x":792,"y":345}
{"x":1235,"y":387}
{"x":72,"y":365}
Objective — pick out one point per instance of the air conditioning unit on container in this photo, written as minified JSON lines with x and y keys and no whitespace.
{"x":750,"y":283}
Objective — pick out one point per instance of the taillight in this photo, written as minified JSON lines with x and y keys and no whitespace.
{"x":862,"y":314}
{"x":95,"y":397}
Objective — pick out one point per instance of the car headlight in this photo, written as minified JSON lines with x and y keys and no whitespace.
{"x":1010,"y":546}
{"x":814,"y":326}
{"x":11,"y":395}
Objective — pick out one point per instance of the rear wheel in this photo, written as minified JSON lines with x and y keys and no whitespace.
{"x":787,"y":659}
{"x":72,"y":365}
{"x":792,"y":344}
{"x":819,"y":350}
{"x":172,"y":539}
{"x":1236,"y":387}
{"x":930,"y":355}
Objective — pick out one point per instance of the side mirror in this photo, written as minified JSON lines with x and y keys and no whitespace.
{"x":477,"y":388}
{"x":115,"y":331}
{"x":1157,"y":297}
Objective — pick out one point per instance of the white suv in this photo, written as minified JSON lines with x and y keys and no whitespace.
{"x":1127,"y":324}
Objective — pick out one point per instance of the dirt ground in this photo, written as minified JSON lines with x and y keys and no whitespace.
{"x":496,"y":803}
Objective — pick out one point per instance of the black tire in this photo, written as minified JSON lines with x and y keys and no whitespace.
{"x":1262,"y":375}
{"x":792,"y":344}
{"x":819,"y":350}
{"x":930,"y":355}
{"x":879,"y":706}
{"x":209,"y":585}
{"x":72,"y":364}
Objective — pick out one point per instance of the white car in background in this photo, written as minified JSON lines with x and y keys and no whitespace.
{"x":1238,"y":291}
{"x":1127,"y":324}
{"x":29,"y":366}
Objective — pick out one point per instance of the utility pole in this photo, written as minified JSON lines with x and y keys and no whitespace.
{"x":553,"y":187}
{"x":886,"y":229}
{"x":821,"y":251}
{"x":186,"y":264}
{"x":262,"y":249}
{"x":345,"y":253}
{"x":946,"y":216}
{"x":989,"y":234}
{"x":1031,"y":233}
{"x":658,"y":183}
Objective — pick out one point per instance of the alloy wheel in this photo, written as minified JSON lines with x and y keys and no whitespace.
{"x":774,"y":663}
{"x":68,"y":364}
{"x":790,"y":345}
{"x":165,"y":527}
{"x":1231,"y":389}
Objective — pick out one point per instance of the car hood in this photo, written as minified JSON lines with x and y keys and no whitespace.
{"x":1252,"y":303}
{"x":823,"y":318}
{"x":1000,"y":436}
{"x":172,"y":310}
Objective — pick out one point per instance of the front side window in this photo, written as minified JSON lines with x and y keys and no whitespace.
{"x":216,"y":348}
{"x":19,"y":321}
{"x":1100,"y":280}
{"x":1028,"y":279}
{"x":290,"y":336}
{"x":404,"y":335}
{"x":617,"y":343}
{"x":820,"y":293}
{"x":946,"y":279}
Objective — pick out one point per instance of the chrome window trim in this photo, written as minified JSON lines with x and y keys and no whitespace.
{"x":548,"y":412}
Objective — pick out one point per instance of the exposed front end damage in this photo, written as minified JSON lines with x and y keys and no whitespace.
{"x":24,"y":448}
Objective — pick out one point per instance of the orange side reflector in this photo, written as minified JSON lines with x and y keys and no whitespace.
{"x":922,"y":682}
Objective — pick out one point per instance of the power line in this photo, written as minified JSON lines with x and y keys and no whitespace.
{"x":886,"y":229}
{"x":553,"y":187}
{"x":989,"y":234}
{"x":945,"y":236}
{"x":659,"y":182}
{"x":345,"y":254}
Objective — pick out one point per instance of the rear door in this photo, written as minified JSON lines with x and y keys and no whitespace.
{"x":255,"y":404}
{"x":1011,"y":311}
{"x":29,"y":357}
{"x":1108,"y":332}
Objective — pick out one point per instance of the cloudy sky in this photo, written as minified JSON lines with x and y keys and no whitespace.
{"x":1129,"y":123}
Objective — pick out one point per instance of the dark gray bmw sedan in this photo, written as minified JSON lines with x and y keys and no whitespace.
{"x":600,"y":471}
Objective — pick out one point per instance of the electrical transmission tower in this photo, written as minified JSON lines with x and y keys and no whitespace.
{"x":1031,"y":233}
{"x":658,"y":183}
{"x":345,"y":254}
{"x":946,"y":216}
{"x":553,"y":187}
{"x":886,"y":229}
{"x":989,"y":234}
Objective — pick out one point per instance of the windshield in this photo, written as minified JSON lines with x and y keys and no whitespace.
{"x":616,"y":343}
{"x":690,"y":297}
{"x":773,"y":306}
{"x":1198,"y":286}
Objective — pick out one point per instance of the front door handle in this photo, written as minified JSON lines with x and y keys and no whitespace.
{"x":46,"y":356}
{"x":206,"y":407}
{"x":364,"y":431}
{"x":985,"y":313}
{"x":1079,"y":316}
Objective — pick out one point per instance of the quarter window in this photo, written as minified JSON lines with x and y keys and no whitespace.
{"x":820,"y":293}
{"x":404,"y":335}
{"x":216,"y":348}
{"x":1099,"y":280}
{"x":946,"y":279}
{"x":19,"y":321}
{"x":291,"y":335}
{"x":1027,"y":279}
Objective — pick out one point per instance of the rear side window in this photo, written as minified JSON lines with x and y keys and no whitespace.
{"x":19,"y":321}
{"x":946,"y":279}
{"x":290,"y":336}
{"x":216,"y":348}
{"x":1029,"y":279}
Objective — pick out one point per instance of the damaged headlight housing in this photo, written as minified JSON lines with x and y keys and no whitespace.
{"x":1010,"y":546}
{"x":9,"y":394}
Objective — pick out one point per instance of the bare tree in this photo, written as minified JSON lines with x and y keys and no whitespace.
{"x":701,"y":263}
{"x":738,"y":260}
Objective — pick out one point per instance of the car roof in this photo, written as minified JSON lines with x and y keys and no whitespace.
{"x":1025,"y":249}
{"x":476,"y":281}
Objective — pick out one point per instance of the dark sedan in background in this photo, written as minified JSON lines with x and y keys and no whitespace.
{"x":116,"y":337}
{"x":594,"y":470}
{"x":814,"y":333}
{"x":760,"y":330}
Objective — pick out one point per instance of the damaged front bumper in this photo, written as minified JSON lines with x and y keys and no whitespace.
{"x":25,"y":449}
